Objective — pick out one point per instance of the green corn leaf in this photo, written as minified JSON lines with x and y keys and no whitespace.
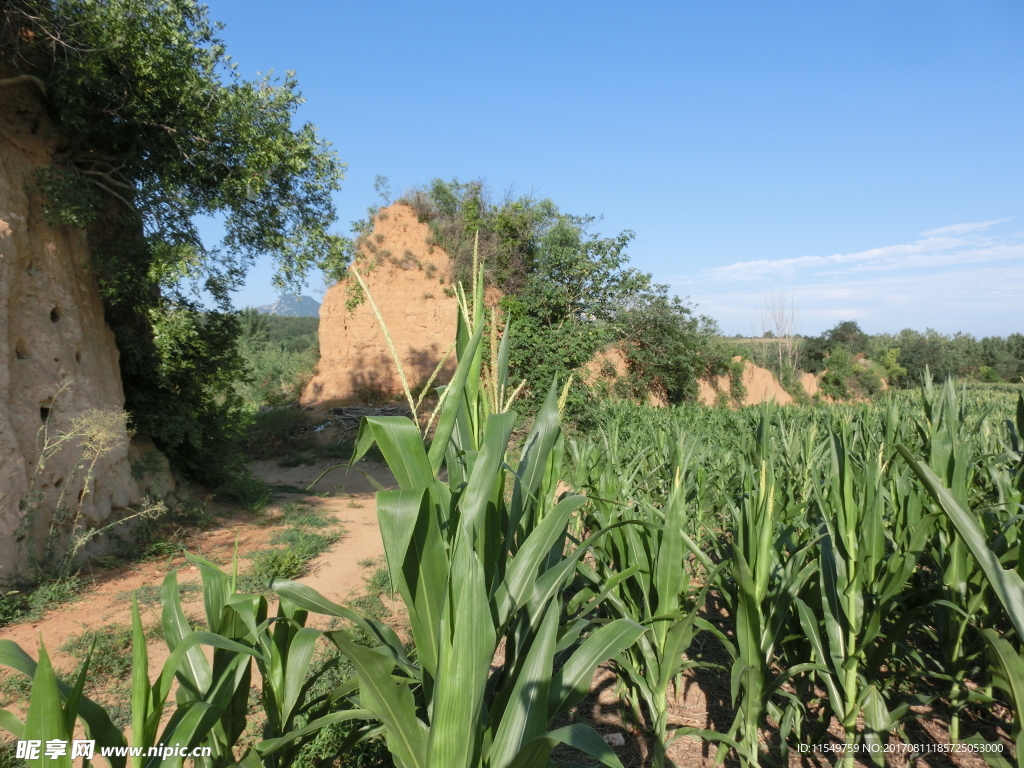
{"x":521,"y":574}
{"x":669,"y":573}
{"x":454,"y":394}
{"x":73,"y":698}
{"x":525,"y":715}
{"x":10,"y":723}
{"x":11,"y":655}
{"x":1010,"y":667}
{"x":1007,"y":584}
{"x":194,"y":672}
{"x":468,"y":641}
{"x":309,"y":599}
{"x":45,"y":718}
{"x":216,"y":590}
{"x":391,"y":702}
{"x":992,"y":758}
{"x":473,"y":503}
{"x":809,"y":624}
{"x":300,"y":653}
{"x":582,"y":737}
{"x":609,"y":586}
{"x":418,"y":562}
{"x":571,"y":683}
{"x":141,"y":691}
{"x":98,"y":724}
{"x":181,"y":652}
{"x":400,"y":443}
{"x":191,"y":729}
{"x":536,"y":449}
{"x":504,"y":350}
{"x":270,"y":746}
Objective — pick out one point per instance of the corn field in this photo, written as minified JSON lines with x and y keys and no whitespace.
{"x":867,"y":558}
{"x":863,"y":563}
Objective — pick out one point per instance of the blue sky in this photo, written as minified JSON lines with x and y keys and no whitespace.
{"x":866,"y":158}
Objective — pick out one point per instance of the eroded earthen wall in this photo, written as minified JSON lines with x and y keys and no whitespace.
{"x":51,"y":331}
{"x":408,"y":279}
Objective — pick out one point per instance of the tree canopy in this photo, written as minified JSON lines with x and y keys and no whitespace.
{"x":568,"y":291}
{"x":153,"y":127}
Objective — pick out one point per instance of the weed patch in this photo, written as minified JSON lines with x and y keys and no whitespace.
{"x":305,"y":516}
{"x":22,"y":606}
{"x":13,"y":688}
{"x":330,"y":670}
{"x":149,"y":594}
{"x":8,"y":755}
{"x":310,"y":533}
{"x":111,"y":651}
{"x":249,"y":491}
{"x":378,"y":584}
{"x":276,"y":564}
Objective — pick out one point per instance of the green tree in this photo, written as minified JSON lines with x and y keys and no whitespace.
{"x":846,"y":335}
{"x":568,"y":292}
{"x":153,"y":127}
{"x":668,"y":348}
{"x":568,"y":303}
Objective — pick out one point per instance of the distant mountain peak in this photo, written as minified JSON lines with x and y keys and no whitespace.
{"x":291,"y":305}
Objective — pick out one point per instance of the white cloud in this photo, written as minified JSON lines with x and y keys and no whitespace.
{"x":933,"y":250}
{"x":953,"y":278}
{"x":961,"y":229}
{"x":983,"y":301}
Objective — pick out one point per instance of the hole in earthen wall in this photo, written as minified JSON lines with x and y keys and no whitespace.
{"x":78,"y":357}
{"x":44,"y":413}
{"x":54,"y":315}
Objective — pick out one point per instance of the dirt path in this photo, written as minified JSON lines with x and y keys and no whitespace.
{"x":337,"y":573}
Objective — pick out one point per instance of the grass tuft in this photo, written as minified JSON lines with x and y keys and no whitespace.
{"x":112,"y":653}
{"x":30,"y":606}
{"x":149,"y":594}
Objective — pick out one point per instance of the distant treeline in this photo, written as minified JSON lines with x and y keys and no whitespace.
{"x":990,"y":359}
{"x":904,"y":357}
{"x":280,"y":355}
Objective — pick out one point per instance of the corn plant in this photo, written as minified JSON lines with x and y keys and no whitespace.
{"x":639,"y":573}
{"x":769,"y":566}
{"x":282,"y":648}
{"x":1007,"y":659}
{"x":481,"y":574}
{"x":202,"y":715}
{"x":945,"y":435}
{"x":863,"y":576}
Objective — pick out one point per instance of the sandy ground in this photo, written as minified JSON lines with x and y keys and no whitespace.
{"x":336,"y":574}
